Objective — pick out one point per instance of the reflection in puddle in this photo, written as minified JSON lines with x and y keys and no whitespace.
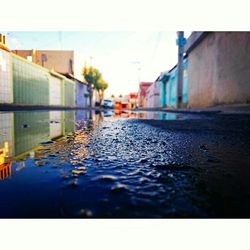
{"x":119,"y":114}
{"x":84,"y":164}
{"x":5,"y":170}
{"x":24,"y":133}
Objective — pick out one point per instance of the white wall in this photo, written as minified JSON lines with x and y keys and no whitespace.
{"x":55,"y":97}
{"x":6,"y":95}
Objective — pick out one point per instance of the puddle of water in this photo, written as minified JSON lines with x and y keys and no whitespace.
{"x":154,"y":115}
{"x":67,"y":163}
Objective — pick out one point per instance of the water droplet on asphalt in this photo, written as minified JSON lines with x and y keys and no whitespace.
{"x":40,"y":163}
{"x":105,"y":178}
{"x":77,"y":172}
{"x":119,"y":187}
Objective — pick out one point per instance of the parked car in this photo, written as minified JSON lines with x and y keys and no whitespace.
{"x":108,"y":104}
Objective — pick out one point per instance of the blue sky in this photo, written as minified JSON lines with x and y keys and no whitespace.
{"x":118,"y":55}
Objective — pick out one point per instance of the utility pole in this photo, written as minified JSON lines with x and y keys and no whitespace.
{"x":181,"y":41}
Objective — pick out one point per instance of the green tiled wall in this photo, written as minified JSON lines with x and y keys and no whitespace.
{"x":30,"y":83}
{"x":69,"y":93}
{"x":30,"y":128}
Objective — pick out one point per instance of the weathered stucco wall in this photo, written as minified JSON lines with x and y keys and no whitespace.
{"x":219,"y":70}
{"x":152,"y":98}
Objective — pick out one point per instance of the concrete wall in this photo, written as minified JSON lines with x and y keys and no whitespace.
{"x":219,"y":70}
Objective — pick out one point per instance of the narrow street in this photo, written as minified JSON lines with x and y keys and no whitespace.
{"x":131,"y":165}
{"x":124,"y":125}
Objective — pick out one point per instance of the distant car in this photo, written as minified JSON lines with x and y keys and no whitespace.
{"x":108,"y":104}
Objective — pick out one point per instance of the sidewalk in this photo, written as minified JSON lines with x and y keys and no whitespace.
{"x":13,"y":107}
{"x":223,"y":109}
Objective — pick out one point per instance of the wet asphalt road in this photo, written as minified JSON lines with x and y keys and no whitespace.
{"x":137,"y":168}
{"x":218,"y":150}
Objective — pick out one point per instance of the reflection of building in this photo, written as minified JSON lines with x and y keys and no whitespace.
{"x":21,"y":132}
{"x":30,"y":128}
{"x":5,"y":170}
{"x":4,"y":154}
{"x":5,"y":162}
{"x":6,"y":133}
{"x":55,"y":126}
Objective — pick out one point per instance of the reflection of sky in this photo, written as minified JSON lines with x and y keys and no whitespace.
{"x":116,"y":54}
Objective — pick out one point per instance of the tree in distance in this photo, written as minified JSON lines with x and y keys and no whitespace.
{"x":95,"y":81}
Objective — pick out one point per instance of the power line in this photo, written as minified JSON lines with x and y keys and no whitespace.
{"x":158,"y":39}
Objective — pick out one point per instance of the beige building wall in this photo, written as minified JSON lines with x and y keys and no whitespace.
{"x":62,"y":61}
{"x":219,"y":70}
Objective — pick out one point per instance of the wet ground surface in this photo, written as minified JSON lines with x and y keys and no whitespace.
{"x":131,"y":165}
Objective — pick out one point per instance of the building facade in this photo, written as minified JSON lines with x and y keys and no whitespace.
{"x":61,"y":61}
{"x":163,"y":92}
{"x":152,"y":97}
{"x":23,"y":82}
{"x":218,"y":68}
{"x":143,"y":86}
{"x":171,"y":86}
